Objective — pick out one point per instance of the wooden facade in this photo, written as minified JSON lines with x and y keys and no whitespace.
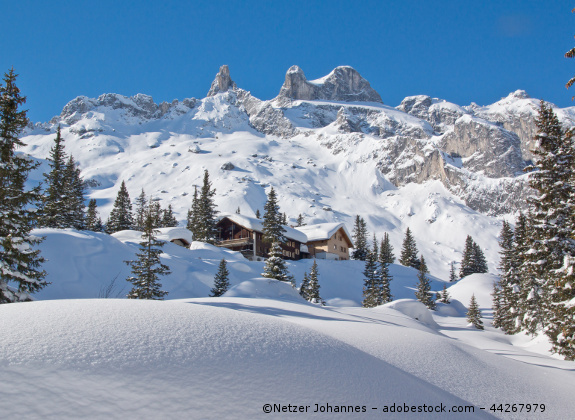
{"x":335,"y":247}
{"x":250,"y":243}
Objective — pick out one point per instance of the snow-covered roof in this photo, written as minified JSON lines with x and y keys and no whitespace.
{"x":253,"y":223}
{"x":322,"y":231}
{"x":165,"y":234}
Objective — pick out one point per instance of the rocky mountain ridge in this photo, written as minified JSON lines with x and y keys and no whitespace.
{"x":478,"y":153}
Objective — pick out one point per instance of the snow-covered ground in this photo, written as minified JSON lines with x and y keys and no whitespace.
{"x":197,"y":357}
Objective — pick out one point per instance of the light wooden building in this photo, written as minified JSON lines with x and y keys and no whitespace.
{"x":329,"y":241}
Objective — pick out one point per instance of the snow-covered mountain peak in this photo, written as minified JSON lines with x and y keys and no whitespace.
{"x":344,"y":84}
{"x":223,"y":82}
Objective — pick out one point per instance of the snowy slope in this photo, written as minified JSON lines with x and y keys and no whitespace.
{"x":227,"y":357}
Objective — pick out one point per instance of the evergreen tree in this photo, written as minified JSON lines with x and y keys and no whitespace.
{"x":452,"y":275}
{"x":375,"y":247}
{"x":54,"y":203}
{"x":238,"y":211}
{"x":474,"y":314}
{"x":93,"y":221}
{"x":506,"y":291}
{"x":371,"y":283}
{"x":74,"y":189}
{"x":148,"y":267}
{"x":273,"y":230}
{"x":206,"y":229}
{"x":473,"y":260}
{"x":221,"y":280}
{"x":385,"y":279}
{"x":276,"y":267}
{"x":360,"y":249}
{"x":121,"y":215}
{"x":386,"y":250}
{"x":168,"y":218}
{"x":19,"y":262}
{"x":409,"y":251}
{"x":141,"y":211}
{"x":194,"y":215}
{"x":443,"y":295}
{"x":258,"y":214}
{"x":423,"y":292}
{"x":552,"y":247}
{"x":284,"y":219}
{"x":313,"y":286}
{"x":300,"y":221}
{"x":304,"y":288}
{"x":156,"y":212}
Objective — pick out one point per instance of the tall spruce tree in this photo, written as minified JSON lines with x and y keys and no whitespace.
{"x":304,"y":288}
{"x":474,"y":314}
{"x":54,"y":201}
{"x":147,"y":268}
{"x":506,"y":292}
{"x":423,"y":292}
{"x":74,"y":189}
{"x":386,"y":250}
{"x":473,"y":260}
{"x":19,"y":261}
{"x":140,"y":212}
{"x":221,"y":280}
{"x":168,"y":217}
{"x":273,"y":230}
{"x":93,"y":221}
{"x":361,"y":248}
{"x":300,"y":221}
{"x":371,"y":282}
{"x":452,"y":275}
{"x":193,"y":219}
{"x":551,"y":259}
{"x":206,"y":229}
{"x":313,"y":285}
{"x":385,"y":278}
{"x":276,"y":267}
{"x":121,"y":215}
{"x":443,"y":295}
{"x":409,"y":251}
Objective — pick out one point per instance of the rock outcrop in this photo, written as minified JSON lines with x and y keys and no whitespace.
{"x":223,"y":82}
{"x":342,"y":84}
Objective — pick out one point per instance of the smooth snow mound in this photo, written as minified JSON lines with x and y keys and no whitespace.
{"x":415,"y":310}
{"x":263,"y":288}
{"x":193,"y":359}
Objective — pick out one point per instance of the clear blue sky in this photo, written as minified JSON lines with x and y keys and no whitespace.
{"x":458,"y":50}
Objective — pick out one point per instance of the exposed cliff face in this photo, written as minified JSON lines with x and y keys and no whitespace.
{"x":223,"y":82}
{"x":342,"y":84}
{"x":477,"y":152}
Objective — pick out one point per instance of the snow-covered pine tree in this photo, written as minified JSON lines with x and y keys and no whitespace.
{"x":360,"y":249}
{"x":443,"y":295}
{"x":473,"y":260}
{"x":452,"y":275}
{"x":19,"y":261}
{"x":121,"y":215}
{"x":155,"y":210}
{"x":168,"y":218}
{"x":375,"y":247}
{"x":551,"y":255}
{"x":474,"y":314}
{"x":276,"y":267}
{"x":384,"y":293}
{"x":506,"y":291}
{"x":141,"y":204}
{"x":93,"y":221}
{"x":53,"y":202}
{"x":423,"y":292}
{"x":386,"y":250}
{"x":479,"y":263}
{"x":74,"y":188}
{"x":273,"y":230}
{"x":284,"y":219}
{"x":221,"y":280}
{"x":371,"y":282}
{"x":258,"y":214}
{"x":304,"y":288}
{"x":193,"y":219}
{"x":313,"y":285}
{"x":300,"y":220}
{"x":206,"y":229}
{"x":147,"y":268}
{"x":409,"y":251}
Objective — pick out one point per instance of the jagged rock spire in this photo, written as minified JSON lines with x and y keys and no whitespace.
{"x":223,"y":82}
{"x":344,"y":83}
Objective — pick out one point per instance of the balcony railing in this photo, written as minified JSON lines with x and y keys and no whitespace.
{"x":235,"y":242}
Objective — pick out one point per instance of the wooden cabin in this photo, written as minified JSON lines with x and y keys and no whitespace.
{"x":329,"y":241}
{"x":244,"y":234}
